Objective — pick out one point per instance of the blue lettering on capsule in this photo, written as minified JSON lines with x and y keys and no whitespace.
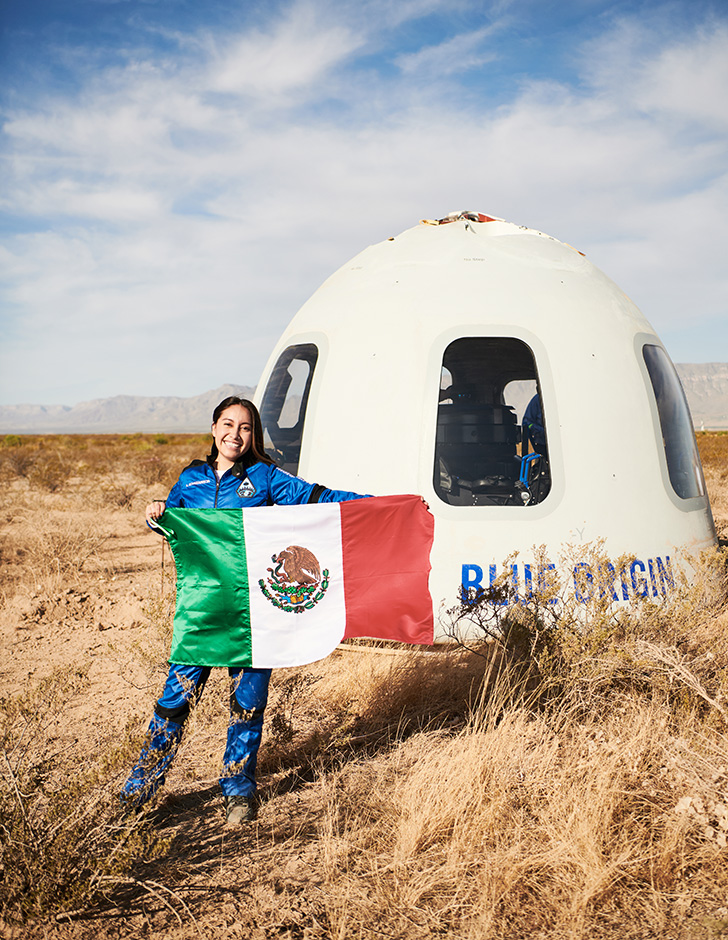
{"x":472,"y":578}
{"x":639,"y":579}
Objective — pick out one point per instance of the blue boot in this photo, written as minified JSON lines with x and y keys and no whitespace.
{"x":160,"y":746}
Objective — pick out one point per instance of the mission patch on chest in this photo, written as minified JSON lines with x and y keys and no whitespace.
{"x":246,"y":490}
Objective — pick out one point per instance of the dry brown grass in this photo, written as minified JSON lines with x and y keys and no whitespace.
{"x":713,"y":447}
{"x":560,"y":824}
{"x":574,"y":788}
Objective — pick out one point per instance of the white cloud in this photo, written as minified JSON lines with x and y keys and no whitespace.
{"x":180,"y":216}
{"x":690,"y":80}
{"x":656,"y":72}
{"x":298,"y":52}
{"x":71,"y":198}
{"x":458,"y":54}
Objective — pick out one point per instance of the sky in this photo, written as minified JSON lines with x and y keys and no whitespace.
{"x":177,"y":177}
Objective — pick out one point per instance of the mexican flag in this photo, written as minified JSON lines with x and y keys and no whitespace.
{"x":274,"y":586}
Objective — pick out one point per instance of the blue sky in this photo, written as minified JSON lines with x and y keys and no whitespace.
{"x":178,"y":177}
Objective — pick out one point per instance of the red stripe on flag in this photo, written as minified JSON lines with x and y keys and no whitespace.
{"x":386,"y":542}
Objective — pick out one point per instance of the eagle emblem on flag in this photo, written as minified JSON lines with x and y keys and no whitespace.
{"x":296,"y":583}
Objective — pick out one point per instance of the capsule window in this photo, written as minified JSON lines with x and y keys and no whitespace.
{"x":676,"y":425}
{"x":491,"y":445}
{"x":283,"y":409}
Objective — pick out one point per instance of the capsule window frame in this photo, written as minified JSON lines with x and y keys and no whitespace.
{"x":283,"y":440}
{"x":675,"y":431}
{"x":483,"y":431}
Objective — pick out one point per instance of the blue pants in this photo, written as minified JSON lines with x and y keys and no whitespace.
{"x":185,"y":684}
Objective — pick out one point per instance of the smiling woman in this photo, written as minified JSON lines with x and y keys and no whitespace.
{"x":237,"y":474}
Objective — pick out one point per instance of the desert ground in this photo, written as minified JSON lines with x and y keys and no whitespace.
{"x":565,"y":782}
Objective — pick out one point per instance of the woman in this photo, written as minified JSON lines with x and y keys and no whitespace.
{"x":237,"y":473}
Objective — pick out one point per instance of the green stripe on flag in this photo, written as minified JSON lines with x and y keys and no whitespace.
{"x":212,"y":619}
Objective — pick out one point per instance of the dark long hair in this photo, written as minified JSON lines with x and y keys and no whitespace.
{"x":257,"y":453}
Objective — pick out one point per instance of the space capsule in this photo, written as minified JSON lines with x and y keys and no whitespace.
{"x":495,"y":371}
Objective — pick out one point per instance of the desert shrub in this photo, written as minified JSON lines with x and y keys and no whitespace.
{"x":62,"y":836}
{"x":548,"y":644}
{"x":58,"y":550}
{"x":713,"y":448}
{"x":156,"y":469}
{"x":16,"y":460}
{"x":289,"y":695}
{"x":119,"y":494}
{"x":715,"y":481}
{"x":46,"y":462}
{"x":50,"y":470}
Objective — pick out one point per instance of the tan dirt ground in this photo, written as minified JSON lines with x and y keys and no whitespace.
{"x":255,"y":882}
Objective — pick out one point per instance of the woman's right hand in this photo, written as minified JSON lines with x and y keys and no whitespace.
{"x":154,"y":510}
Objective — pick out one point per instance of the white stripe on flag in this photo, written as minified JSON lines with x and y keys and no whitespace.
{"x":285,"y":638}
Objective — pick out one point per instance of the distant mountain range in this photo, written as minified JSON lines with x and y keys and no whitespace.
{"x":706,"y":388}
{"x":705,"y":384}
{"x":122,"y":414}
